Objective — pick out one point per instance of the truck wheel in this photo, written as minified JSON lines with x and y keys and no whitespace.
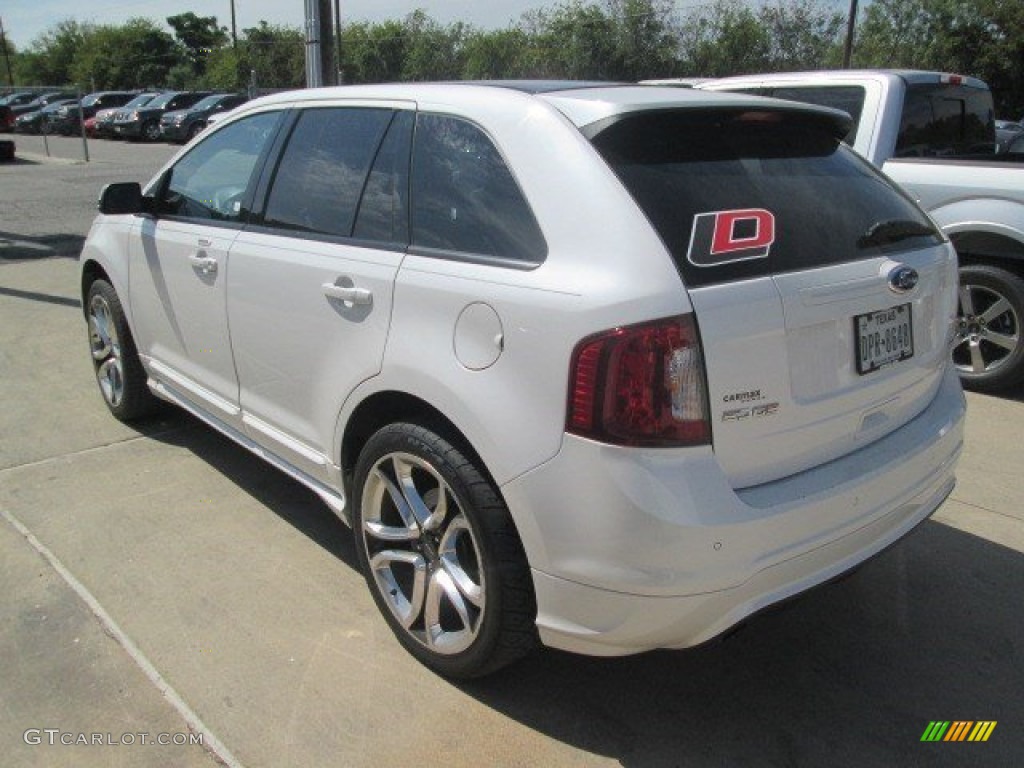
{"x":988,"y":349}
{"x":440,"y":554}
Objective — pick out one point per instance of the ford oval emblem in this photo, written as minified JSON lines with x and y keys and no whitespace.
{"x":902,"y":279}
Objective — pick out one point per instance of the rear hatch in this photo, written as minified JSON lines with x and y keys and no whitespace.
{"x":823,"y":295}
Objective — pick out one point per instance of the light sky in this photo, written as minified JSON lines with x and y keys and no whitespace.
{"x":24,"y":20}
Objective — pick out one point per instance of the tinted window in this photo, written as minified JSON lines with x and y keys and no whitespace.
{"x":141,"y":100}
{"x":946,"y":120}
{"x":324,"y":167}
{"x":849,"y":98}
{"x":464,"y":197}
{"x":181,"y":101}
{"x":756,"y":177}
{"x":211,"y":180}
{"x":162,"y":100}
{"x":383,"y":213}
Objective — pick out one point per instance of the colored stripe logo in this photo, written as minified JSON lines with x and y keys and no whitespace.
{"x":958,"y":730}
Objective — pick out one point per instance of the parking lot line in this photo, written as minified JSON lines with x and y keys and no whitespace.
{"x":211,"y":743}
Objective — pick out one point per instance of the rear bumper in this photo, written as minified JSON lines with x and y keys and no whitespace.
{"x":635,"y":550}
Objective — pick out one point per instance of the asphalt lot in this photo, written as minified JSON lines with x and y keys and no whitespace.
{"x":160,"y":579}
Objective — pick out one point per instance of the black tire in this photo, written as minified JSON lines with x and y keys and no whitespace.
{"x":989,"y":347}
{"x":194,"y":130}
{"x":150,"y":131}
{"x":470,"y":549}
{"x":115,"y":360}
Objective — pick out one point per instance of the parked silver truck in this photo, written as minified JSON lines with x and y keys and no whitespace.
{"x":934,"y":134}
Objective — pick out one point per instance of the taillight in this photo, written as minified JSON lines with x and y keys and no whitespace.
{"x":641,"y":385}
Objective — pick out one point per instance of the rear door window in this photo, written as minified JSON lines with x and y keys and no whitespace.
{"x":323,"y":170}
{"x":383,"y":211}
{"x":737,"y":194}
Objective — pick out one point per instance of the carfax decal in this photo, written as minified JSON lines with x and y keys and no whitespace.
{"x":724,"y":237}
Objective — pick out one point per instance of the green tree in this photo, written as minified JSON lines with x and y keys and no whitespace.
{"x":802,"y":34}
{"x":373,"y":53}
{"x":645,"y":39}
{"x":226,"y":70}
{"x":574,"y":40}
{"x":724,"y":39}
{"x":199,"y":35}
{"x":52,"y":54}
{"x":136,"y":54}
{"x":432,"y":51}
{"x":274,"y":56}
{"x":503,"y":53}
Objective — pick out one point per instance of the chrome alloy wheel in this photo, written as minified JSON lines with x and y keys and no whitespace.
{"x":106,"y":350}
{"x":423,"y":554}
{"x":987,"y":331}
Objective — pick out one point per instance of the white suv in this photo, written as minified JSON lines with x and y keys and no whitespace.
{"x":607,"y":367}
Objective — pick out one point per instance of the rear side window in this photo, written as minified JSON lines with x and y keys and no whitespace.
{"x":740,"y":194}
{"x":323,"y":169}
{"x":849,"y":98}
{"x":946,"y":120}
{"x":466,"y":204}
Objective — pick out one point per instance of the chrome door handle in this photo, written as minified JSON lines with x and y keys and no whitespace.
{"x":205,"y":265}
{"x":349,"y":294}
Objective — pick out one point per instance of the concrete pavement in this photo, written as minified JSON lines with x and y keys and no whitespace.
{"x":239,"y":590}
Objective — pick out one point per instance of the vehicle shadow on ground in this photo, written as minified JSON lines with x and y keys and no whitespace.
{"x":288,"y":499}
{"x":17,"y":247}
{"x":849,"y":674}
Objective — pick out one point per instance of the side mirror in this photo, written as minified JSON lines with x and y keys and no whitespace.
{"x":124,"y":197}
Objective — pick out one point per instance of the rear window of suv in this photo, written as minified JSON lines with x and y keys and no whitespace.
{"x":946,"y":120}
{"x":738,"y":194}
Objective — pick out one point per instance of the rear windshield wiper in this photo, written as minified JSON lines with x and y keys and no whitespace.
{"x":892,"y":231}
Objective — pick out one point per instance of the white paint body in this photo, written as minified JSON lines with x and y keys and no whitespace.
{"x":630,"y":548}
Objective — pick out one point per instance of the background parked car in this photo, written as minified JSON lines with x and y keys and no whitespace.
{"x":144,"y":122}
{"x":1006,"y":132}
{"x":66,"y":120}
{"x":40,"y":120}
{"x":182,"y":125}
{"x":1015,"y":145}
{"x":42,"y":100}
{"x":105,"y":118}
{"x":7,"y":104}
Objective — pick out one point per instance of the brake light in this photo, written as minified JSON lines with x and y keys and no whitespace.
{"x":641,"y":385}
{"x":952,"y":79}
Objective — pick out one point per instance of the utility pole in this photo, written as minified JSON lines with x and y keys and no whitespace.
{"x":234,"y":35}
{"x":314,"y":73}
{"x":7,"y":53}
{"x":319,"y":55}
{"x":330,"y":72}
{"x":337,"y":40}
{"x":850,"y":24}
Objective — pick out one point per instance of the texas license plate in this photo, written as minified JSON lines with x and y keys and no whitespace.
{"x":883,"y":338}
